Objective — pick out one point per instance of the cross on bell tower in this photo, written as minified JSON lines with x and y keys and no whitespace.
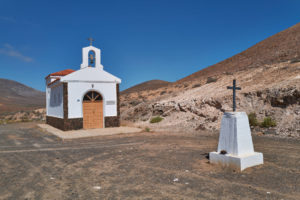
{"x":233,"y":88}
{"x":91,"y":41}
{"x":91,"y":56}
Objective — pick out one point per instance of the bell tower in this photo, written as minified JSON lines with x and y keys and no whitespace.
{"x":91,"y":55}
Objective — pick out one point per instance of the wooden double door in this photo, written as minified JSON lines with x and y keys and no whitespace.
{"x":92,"y":107}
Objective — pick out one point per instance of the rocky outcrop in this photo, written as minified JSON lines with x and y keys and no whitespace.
{"x":24,"y":116}
{"x":281,"y":104}
{"x":202,"y":108}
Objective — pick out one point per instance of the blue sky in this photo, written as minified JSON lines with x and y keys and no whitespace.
{"x":140,"y":40}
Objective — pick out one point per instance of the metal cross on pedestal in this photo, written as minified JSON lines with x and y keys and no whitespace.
{"x":91,"y":41}
{"x":233,"y":88}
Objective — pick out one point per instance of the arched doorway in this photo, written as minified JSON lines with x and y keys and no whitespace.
{"x":92,"y":108}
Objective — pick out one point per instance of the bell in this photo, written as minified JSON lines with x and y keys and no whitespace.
{"x":91,"y":59}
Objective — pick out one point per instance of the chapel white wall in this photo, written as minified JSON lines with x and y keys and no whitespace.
{"x":54,"y":101}
{"x":76,"y":91}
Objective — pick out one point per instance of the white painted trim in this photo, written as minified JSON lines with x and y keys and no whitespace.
{"x":65,"y":81}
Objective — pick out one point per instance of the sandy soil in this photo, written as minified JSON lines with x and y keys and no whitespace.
{"x":38,"y":165}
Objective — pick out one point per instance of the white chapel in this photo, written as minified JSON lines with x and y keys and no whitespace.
{"x":86,"y":98}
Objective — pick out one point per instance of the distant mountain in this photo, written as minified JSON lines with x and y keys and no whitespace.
{"x":281,"y":47}
{"x":148,"y":85}
{"x":15,"y":96}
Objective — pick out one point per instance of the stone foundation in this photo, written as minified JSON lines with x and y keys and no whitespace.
{"x":73,"y":124}
{"x":112,"y":121}
{"x":55,"y":122}
{"x":65,"y":124}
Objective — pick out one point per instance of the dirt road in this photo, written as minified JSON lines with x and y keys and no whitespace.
{"x":37,"y":165}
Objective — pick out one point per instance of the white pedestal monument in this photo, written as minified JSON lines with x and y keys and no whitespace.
{"x":235,"y":148}
{"x":235,"y":139}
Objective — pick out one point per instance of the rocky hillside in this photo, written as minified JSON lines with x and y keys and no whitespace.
{"x":16,"y":97}
{"x":24,"y":116}
{"x":148,"y":85}
{"x":268,"y":72}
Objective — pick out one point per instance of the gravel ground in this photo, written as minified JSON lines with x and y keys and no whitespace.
{"x":37,"y":165}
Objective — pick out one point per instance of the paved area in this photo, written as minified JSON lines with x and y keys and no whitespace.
{"x":38,"y":165}
{"x":88,"y":133}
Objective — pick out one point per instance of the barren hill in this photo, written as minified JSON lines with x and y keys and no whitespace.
{"x":16,"y":96}
{"x":147,"y":85}
{"x":283,"y":46}
{"x":268,"y":72}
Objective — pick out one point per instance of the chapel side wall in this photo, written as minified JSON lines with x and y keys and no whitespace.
{"x":114,"y":121}
{"x":55,"y":101}
{"x":47,"y":99}
{"x":76,"y":91}
{"x":64,"y":123}
{"x":48,"y":90}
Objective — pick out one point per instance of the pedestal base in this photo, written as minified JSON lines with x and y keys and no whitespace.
{"x":236,"y":162}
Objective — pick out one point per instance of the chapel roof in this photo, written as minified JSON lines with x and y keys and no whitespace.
{"x":62,"y":73}
{"x":91,"y":74}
